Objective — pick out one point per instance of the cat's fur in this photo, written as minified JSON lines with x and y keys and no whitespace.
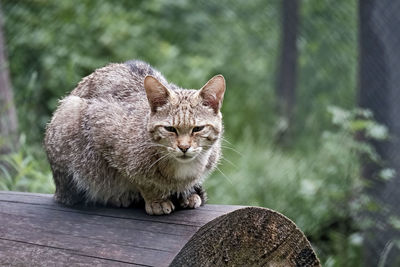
{"x":109,"y":142}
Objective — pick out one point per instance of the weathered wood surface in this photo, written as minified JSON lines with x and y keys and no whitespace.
{"x":36,"y":231}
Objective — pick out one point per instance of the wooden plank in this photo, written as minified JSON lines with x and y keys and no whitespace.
{"x":103,"y":235}
{"x":96,"y":243}
{"x":13,"y":253}
{"x":196,"y":217}
{"x":79,"y":219}
{"x":18,"y":226}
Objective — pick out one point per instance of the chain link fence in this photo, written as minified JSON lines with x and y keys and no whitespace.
{"x":380,"y":92}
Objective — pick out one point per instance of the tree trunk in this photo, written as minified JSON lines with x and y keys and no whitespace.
{"x":8,"y":118}
{"x":287,"y":66}
{"x":380,"y":92}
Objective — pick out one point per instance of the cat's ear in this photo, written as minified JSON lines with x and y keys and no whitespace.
{"x":212,"y":93}
{"x":157,"y":94}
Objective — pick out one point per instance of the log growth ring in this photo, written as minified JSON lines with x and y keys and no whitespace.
{"x":249,"y":236}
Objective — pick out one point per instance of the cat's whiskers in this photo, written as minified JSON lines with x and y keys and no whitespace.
{"x":158,"y":153}
{"x":230,"y":162}
{"x":222,"y":157}
{"x":226,"y":140}
{"x":223,"y":174}
{"x":161,"y":158}
{"x":155,"y":153}
{"x":231,"y":148}
{"x":144,"y":146}
{"x":226,"y":147}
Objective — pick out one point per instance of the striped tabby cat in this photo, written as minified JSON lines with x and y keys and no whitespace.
{"x":125,"y":134}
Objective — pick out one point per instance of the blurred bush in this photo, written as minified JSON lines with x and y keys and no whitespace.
{"x":52,"y":45}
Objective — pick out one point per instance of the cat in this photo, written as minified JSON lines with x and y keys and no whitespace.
{"x":125,"y":135}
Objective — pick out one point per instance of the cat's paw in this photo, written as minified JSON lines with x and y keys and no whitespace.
{"x":193,"y":201}
{"x":159,"y":207}
{"x":124,"y":200}
{"x":120,"y":202}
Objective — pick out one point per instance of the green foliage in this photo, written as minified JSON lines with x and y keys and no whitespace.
{"x":53,"y":45}
{"x":25,"y":170}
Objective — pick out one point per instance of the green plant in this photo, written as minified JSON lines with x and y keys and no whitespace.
{"x":25,"y":170}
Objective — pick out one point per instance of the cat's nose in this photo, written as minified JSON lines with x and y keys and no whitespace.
{"x":184,"y":148}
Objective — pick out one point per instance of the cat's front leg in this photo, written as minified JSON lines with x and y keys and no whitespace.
{"x":155,"y":205}
{"x":159,"y":207}
{"x":192,"y":201}
{"x":195,"y":198}
{"x":125,"y":200}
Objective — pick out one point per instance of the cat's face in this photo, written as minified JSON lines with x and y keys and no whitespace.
{"x":184,"y":124}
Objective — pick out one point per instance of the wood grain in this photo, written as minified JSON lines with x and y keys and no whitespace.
{"x":36,"y":231}
{"x":248,"y":237}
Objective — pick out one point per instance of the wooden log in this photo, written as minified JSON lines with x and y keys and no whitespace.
{"x":248,"y":237}
{"x":36,"y":231}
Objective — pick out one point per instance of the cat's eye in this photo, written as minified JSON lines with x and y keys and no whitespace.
{"x":197,"y":129}
{"x":170,"y":129}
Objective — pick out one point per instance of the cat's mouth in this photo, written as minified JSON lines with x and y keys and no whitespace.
{"x":185,"y":158}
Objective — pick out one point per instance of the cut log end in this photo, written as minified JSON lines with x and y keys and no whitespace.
{"x":248,"y":237}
